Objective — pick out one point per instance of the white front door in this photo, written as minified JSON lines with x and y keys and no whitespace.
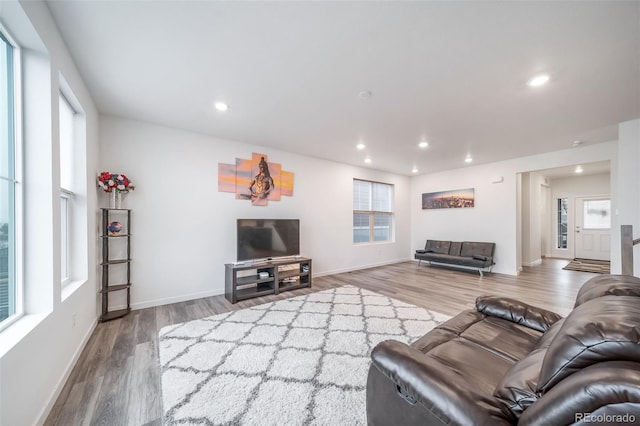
{"x":593,"y":228}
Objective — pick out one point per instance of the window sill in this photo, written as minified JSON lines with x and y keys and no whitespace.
{"x":70,"y":288}
{"x":17,"y":331}
{"x":373,"y":243}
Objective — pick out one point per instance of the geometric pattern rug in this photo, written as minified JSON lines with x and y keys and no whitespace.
{"x":298,"y":361}
{"x":589,"y":265}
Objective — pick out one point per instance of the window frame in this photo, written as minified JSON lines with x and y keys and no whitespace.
{"x":77,"y":253}
{"x":66,"y":198}
{"x":372,"y":213}
{"x":16,"y":259}
{"x":66,"y":195}
{"x":562,"y":202}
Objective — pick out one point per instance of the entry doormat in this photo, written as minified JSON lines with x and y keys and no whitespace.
{"x":299,"y":361}
{"x":589,"y":265}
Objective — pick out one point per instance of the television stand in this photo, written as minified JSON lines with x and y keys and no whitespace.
{"x":246,"y":281}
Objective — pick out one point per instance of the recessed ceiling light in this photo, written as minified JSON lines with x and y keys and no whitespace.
{"x":367,"y":160}
{"x":365,"y":94}
{"x":414,"y":170}
{"x":538,"y":80}
{"x":579,"y":169}
{"x":423,"y":144}
{"x":360,"y":146}
{"x":221,"y":106}
{"x":577,"y":143}
{"x":468,"y":159}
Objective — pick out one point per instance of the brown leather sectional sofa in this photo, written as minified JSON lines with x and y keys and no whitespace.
{"x":461,"y":254}
{"x":506,"y":362}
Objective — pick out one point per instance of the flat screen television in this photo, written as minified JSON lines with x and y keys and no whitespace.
{"x":268,"y":238}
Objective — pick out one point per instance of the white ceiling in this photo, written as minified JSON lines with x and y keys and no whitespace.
{"x":596,"y":168}
{"x":454,"y":73}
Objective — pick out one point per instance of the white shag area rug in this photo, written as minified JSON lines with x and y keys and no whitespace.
{"x":299,"y":361}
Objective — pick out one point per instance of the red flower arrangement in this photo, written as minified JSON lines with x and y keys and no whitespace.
{"x":114,"y":182}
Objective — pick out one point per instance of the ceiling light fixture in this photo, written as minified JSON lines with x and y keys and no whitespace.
{"x":414,"y":170}
{"x":423,"y":144}
{"x":365,"y":94}
{"x":577,"y":143}
{"x":360,"y":146}
{"x":538,"y":80}
{"x":579,"y":169}
{"x":367,"y":160}
{"x":221,"y":106}
{"x":468,"y":159}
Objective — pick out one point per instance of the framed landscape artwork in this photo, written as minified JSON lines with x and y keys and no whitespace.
{"x":452,"y":199}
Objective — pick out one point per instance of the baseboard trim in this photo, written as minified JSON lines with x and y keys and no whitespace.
{"x":176,"y":299}
{"x":357,"y":268}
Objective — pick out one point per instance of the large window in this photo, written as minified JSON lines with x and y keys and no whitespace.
{"x":372,"y":211}
{"x":10,"y":291}
{"x":597,"y":214}
{"x":73,"y":190}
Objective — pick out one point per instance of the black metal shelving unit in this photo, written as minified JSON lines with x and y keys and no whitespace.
{"x":107,"y":262}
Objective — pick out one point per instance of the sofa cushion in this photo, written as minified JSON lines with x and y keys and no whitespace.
{"x":517,"y":389}
{"x":504,"y":338}
{"x":607,"y":284}
{"x":602,"y":329}
{"x":436,"y":246}
{"x":469,"y":248}
{"x":455,"y":248}
{"x":454,"y":260}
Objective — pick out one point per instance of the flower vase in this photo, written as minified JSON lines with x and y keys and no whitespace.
{"x":118,"y":200}
{"x":112,"y":199}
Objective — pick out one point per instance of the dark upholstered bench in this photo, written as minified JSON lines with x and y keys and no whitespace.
{"x":466,"y":254}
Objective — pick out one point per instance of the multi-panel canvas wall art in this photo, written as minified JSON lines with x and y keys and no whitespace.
{"x":256,"y":179}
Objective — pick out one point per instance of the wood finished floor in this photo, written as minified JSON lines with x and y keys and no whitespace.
{"x":116,"y":380}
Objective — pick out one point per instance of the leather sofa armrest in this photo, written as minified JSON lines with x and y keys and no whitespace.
{"x":604,"y":389}
{"x":518,"y":312}
{"x":428,"y":382}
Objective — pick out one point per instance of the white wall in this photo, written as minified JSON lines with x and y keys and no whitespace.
{"x":526,"y":218}
{"x":532,"y":212}
{"x":184,"y":230}
{"x":571,"y":188}
{"x":625,"y":191}
{"x":494,"y":217}
{"x":38,"y":352}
